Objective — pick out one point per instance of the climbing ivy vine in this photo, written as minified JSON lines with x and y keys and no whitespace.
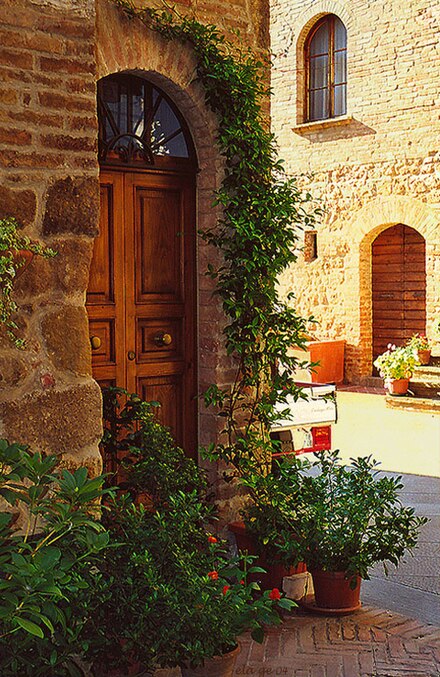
{"x":261,"y":211}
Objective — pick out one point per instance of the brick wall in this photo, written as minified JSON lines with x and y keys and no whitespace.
{"x":49,"y":182}
{"x":378,"y":167}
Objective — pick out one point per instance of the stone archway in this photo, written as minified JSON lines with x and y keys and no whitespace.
{"x":129,"y":47}
{"x":364,"y":227}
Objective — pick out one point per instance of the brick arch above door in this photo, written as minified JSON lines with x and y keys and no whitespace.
{"x":127,"y":47}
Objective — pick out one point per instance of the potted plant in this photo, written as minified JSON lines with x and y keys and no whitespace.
{"x":350,"y":519}
{"x":269,"y":527}
{"x":396,"y":366}
{"x":50,"y":538}
{"x":16,"y":252}
{"x":169,"y":595}
{"x":420,"y":344}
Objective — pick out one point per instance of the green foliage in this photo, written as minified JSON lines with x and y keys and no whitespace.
{"x":143,"y":451}
{"x":342,"y":518}
{"x":44,"y":589}
{"x":160,"y":589}
{"x":256,"y":234}
{"x":11,"y":243}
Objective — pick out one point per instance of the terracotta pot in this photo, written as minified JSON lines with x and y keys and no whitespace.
{"x":275,"y":569}
{"x":217,"y":666}
{"x":334,"y":591}
{"x":398,"y":386}
{"x":424,"y":356}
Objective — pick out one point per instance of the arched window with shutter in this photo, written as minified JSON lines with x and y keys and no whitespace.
{"x":326,"y":62}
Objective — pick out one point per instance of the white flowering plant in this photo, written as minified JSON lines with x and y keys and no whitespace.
{"x":396,"y":362}
{"x":419,"y":342}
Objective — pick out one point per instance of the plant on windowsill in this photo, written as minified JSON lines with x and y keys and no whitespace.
{"x":421,"y":346}
{"x":396,"y":366}
{"x":346,"y":518}
{"x":16,"y":251}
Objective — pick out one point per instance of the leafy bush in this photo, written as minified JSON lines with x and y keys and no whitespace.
{"x":44,"y":588}
{"x":346,"y":518}
{"x":166,"y":592}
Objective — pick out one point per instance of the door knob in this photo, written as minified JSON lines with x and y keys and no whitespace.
{"x":131,"y":355}
{"x":163,"y":339}
{"x":95,"y":342}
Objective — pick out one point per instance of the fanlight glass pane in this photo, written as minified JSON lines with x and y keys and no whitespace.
{"x":137,"y":122}
{"x":340,"y":34}
{"x":320,"y":41}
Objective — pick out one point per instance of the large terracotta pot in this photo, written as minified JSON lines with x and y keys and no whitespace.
{"x":398,"y":386}
{"x":217,"y":666}
{"x":424,"y":356}
{"x":334,"y":591}
{"x":275,"y":569}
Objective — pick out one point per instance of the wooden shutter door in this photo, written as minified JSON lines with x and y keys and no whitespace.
{"x":398,"y":286}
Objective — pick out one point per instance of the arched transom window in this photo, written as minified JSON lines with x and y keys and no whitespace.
{"x":138,"y":123}
{"x":326,"y":60}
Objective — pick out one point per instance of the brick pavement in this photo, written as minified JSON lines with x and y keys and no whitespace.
{"x":369,"y":643}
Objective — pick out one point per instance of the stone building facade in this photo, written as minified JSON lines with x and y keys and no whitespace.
{"x":53,"y":53}
{"x":375,"y":166}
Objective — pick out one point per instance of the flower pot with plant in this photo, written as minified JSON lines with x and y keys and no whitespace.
{"x":420,"y":344}
{"x":169,"y":594}
{"x":16,"y":252}
{"x":269,"y":527}
{"x":351,"y":518}
{"x":396,"y":366}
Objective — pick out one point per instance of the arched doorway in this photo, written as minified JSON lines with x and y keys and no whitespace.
{"x":141,"y":298}
{"x":398,"y":286}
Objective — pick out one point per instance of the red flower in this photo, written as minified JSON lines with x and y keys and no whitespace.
{"x":225,"y":589}
{"x":242,"y":581}
{"x":213,"y":575}
{"x":274,"y":594}
{"x":212,"y":539}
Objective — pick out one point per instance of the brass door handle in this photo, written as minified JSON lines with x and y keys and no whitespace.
{"x":163,"y":339}
{"x":131,"y":355}
{"x":95,"y":342}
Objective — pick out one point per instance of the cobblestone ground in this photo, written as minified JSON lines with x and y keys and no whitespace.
{"x":369,"y":643}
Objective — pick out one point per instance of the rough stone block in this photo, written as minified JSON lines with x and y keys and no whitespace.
{"x":55,"y":421}
{"x":19,"y":203}
{"x":66,"y":335}
{"x":72,"y":206}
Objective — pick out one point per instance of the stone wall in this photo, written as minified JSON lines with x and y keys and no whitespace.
{"x":53,"y":52}
{"x":49,"y":181}
{"x":377,"y":166}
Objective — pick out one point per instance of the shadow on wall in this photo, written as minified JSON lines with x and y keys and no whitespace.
{"x":332,"y":130}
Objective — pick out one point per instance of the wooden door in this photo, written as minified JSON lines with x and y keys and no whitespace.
{"x":141,"y":296}
{"x":398,"y":286}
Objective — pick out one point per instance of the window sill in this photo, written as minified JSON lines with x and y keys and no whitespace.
{"x":317,"y":125}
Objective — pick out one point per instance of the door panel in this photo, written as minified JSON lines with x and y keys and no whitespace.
{"x":105,"y":294}
{"x":398,"y":287}
{"x":145,"y":317}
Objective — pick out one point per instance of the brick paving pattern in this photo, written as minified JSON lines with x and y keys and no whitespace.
{"x":369,"y":643}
